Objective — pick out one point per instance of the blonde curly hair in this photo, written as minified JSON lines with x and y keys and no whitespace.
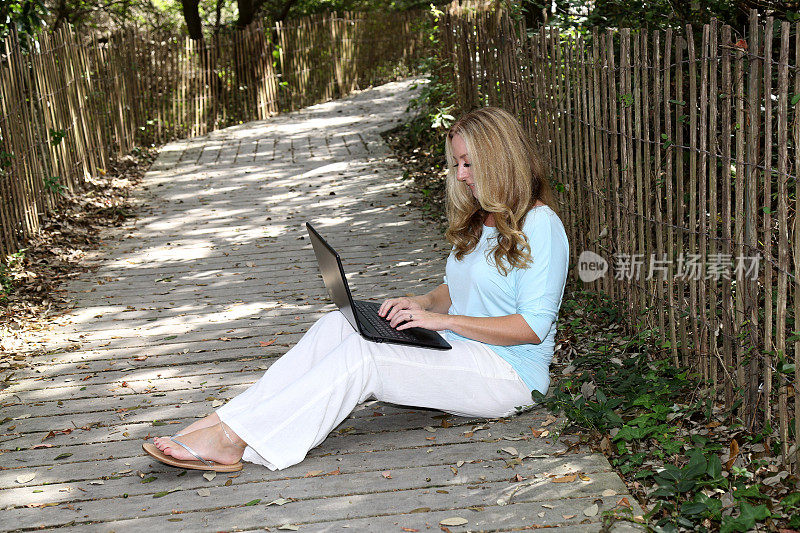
{"x":509,"y":179}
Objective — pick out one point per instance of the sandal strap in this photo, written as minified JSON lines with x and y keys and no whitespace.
{"x":227,"y":436}
{"x":191,"y":451}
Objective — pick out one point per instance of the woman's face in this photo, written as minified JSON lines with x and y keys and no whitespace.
{"x":464,"y":170}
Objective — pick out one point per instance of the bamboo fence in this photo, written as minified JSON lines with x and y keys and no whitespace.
{"x":69,"y":102}
{"x":676,"y":155}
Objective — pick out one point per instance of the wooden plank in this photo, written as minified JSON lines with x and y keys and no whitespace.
{"x":646,"y":227}
{"x":691,"y":215}
{"x":599,"y":42}
{"x":628,"y":177}
{"x":657,"y":180}
{"x":600,"y":204}
{"x":727,"y":325}
{"x":713,"y":208}
{"x":783,"y":232}
{"x":680,"y":214}
{"x":615,"y":128}
{"x":750,"y":215}
{"x":703,"y":341}
{"x":796,"y":244}
{"x":587,"y":177}
{"x":640,"y":281}
{"x":766,"y":228}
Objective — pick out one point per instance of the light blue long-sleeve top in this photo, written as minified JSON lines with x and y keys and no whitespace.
{"x":477,"y":288}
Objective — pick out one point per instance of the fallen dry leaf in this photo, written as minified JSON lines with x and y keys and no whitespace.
{"x":564,"y":479}
{"x":550,"y":420}
{"x":387,"y":474}
{"x":584,"y":477}
{"x":408,"y":529}
{"x":312,"y":473}
{"x":454,"y":521}
{"x":591,"y":510}
{"x":210,"y":476}
{"x":279,"y":501}
{"x":568,"y":516}
{"x":203,"y":492}
{"x":25,"y":478}
{"x":511,"y":450}
{"x":734,"y":453}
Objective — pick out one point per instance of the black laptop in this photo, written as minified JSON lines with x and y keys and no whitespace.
{"x":363,"y":315}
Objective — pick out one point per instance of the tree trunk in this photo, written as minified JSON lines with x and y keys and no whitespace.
{"x":191,"y":15}
{"x":247,"y":12}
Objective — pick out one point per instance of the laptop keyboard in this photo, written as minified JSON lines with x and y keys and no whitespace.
{"x":369,"y":312}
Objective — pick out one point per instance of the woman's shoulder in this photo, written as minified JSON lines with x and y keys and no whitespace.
{"x":541,"y":216}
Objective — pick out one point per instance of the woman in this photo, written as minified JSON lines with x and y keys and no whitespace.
{"x":497,"y":307}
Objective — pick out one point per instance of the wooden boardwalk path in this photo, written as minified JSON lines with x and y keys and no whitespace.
{"x":215,"y":280}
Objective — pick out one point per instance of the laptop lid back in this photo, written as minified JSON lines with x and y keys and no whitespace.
{"x":330,"y":265}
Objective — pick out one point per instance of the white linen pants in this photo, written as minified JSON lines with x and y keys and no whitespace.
{"x":306,"y":393}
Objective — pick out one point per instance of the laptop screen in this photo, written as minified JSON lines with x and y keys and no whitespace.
{"x":330,"y":267}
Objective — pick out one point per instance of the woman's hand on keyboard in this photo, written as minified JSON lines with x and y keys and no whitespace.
{"x":419,"y":318}
{"x":389,"y":308}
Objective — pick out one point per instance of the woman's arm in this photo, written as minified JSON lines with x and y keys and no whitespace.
{"x":502,"y":330}
{"x":438,"y":300}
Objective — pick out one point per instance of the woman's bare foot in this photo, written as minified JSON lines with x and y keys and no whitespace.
{"x":205,"y":422}
{"x":210,"y":443}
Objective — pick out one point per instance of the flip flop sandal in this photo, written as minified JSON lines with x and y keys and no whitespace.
{"x":200,"y":464}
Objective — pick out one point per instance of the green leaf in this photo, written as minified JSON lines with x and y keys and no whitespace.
{"x":746,"y":520}
{"x":795,"y":99}
{"x":160,"y":494}
{"x":149,"y":479}
{"x":791,"y":500}
{"x":159,"y":423}
{"x":63,"y":456}
{"x":677,"y":102}
{"x":252,"y":502}
{"x":693,"y":508}
{"x":714,"y":467}
{"x":697,"y":465}
{"x":750,"y":492}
